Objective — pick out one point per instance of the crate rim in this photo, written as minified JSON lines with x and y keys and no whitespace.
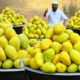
{"x":51,"y":74}
{"x":12,"y":70}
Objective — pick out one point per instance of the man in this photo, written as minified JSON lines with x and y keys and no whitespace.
{"x":55,"y":15}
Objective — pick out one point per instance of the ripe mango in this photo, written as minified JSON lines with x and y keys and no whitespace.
{"x":56,"y":46}
{"x":48,"y":55}
{"x":3,"y":41}
{"x":17,"y":64}
{"x":59,"y":28}
{"x":26,"y":61}
{"x":22,"y":53}
{"x":67,"y":46}
{"x":14,"y":41}
{"x":77,"y":46}
{"x":48,"y":67}
{"x":49,"y":33}
{"x":23,"y":41}
{"x":0,"y":63}
{"x":11,"y":52}
{"x":74,"y":38}
{"x":2,"y":55}
{"x":65,"y":58}
{"x":1,"y":31}
{"x":10,"y":33}
{"x":62,"y":37}
{"x":7,"y":64}
{"x":56,"y":58}
{"x":72,"y":68}
{"x":35,"y":51}
{"x":61,"y":68}
{"x":79,"y":67}
{"x":30,"y":51}
{"x":69,"y":31}
{"x":45,"y":44}
{"x":39,"y":59}
{"x":75,"y":56}
{"x":33,"y":64}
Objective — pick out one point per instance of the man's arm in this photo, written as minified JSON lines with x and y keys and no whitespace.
{"x":45,"y":13}
{"x":65,"y":21}
{"x":64,"y":17}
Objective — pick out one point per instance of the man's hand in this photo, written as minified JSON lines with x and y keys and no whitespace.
{"x":45,"y":12}
{"x":65,"y":21}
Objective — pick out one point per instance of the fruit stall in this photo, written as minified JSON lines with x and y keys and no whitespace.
{"x":35,"y":50}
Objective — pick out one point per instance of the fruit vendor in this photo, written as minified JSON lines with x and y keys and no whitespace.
{"x":55,"y":15}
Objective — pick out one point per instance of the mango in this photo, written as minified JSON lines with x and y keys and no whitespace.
{"x":22,"y":53}
{"x":14,"y":41}
{"x":61,"y":68}
{"x":69,"y":31}
{"x":2,"y":55}
{"x":49,"y":33}
{"x":33,"y":64}
{"x":56,"y":46}
{"x":39,"y":59}
{"x":7,"y":64}
{"x":10,"y":33}
{"x":48,"y":55}
{"x":17,"y":64}
{"x":74,"y":38}
{"x":67,"y":46}
{"x":72,"y":68}
{"x":75,"y":56}
{"x":26,"y":61}
{"x":45,"y":44}
{"x":3,"y":42}
{"x":77,"y":46}
{"x":0,"y":63}
{"x":62,"y":37}
{"x":59,"y":28}
{"x":65,"y":58}
{"x":56,"y":58}
{"x":11,"y":52}
{"x":48,"y":67}
{"x":1,"y":31}
{"x":23,"y":41}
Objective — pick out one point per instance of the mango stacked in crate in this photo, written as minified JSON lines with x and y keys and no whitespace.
{"x":74,"y":21}
{"x":12,"y":48}
{"x":58,"y":52}
{"x":10,"y":15}
{"x":36,"y":28}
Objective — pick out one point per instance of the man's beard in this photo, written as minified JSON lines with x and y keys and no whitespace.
{"x":54,"y":9}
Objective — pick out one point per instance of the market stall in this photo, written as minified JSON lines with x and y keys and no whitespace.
{"x":36,"y":50}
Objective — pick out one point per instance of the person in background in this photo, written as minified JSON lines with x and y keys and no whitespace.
{"x":55,"y":15}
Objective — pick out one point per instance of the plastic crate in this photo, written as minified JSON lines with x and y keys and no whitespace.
{"x":74,"y":30}
{"x":39,"y":75}
{"x":12,"y":74}
{"x":18,"y":29}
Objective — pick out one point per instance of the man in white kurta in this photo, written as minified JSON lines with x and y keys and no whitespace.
{"x":55,"y":15}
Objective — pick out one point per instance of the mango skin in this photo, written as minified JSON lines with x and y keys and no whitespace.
{"x":45,"y":44}
{"x":7,"y":64}
{"x":11,"y":52}
{"x":2,"y":55}
{"x":48,"y":67}
{"x":48,"y":55}
{"x":72,"y":68}
{"x":14,"y":41}
{"x":65,"y":58}
{"x":60,"y":67}
{"x":39,"y":59}
{"x":75,"y":56}
{"x":61,"y":37}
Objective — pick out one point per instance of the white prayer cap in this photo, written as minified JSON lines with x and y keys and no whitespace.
{"x":55,"y":2}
